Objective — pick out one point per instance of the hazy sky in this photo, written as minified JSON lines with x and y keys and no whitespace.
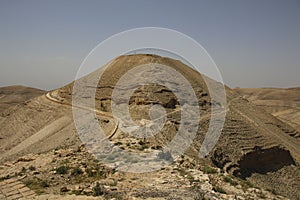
{"x":255,"y":43}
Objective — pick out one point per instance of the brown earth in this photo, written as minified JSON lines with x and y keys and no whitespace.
{"x":282,"y":103}
{"x":43,"y":174}
{"x":13,"y":95}
{"x":254,"y":146}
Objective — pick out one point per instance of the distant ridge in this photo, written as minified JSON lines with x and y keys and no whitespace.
{"x":283,"y":103}
{"x":13,"y":95}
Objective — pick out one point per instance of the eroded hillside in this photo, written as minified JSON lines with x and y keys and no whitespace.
{"x":254,"y":145}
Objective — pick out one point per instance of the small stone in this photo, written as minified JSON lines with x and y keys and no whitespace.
{"x":87,"y":191}
{"x":64,"y":189}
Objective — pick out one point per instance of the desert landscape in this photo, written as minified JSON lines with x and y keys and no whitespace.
{"x":43,"y":157}
{"x":282,"y":103}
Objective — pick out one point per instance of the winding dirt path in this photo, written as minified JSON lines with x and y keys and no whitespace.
{"x":49,"y":97}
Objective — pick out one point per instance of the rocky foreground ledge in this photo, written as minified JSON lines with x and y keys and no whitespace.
{"x":75,"y":174}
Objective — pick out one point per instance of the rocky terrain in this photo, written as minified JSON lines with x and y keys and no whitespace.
{"x":14,"y":95}
{"x":282,"y":103}
{"x":256,"y":157}
{"x":74,"y":174}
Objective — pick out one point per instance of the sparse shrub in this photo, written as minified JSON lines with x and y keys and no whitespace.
{"x":32,"y":168}
{"x":142,"y":147}
{"x":76,"y":171}
{"x":209,"y":170}
{"x":91,"y":172}
{"x":23,"y":170}
{"x":62,"y":169}
{"x":64,"y":162}
{"x":39,"y":191}
{"x":114,"y":195}
{"x":249,"y":184}
{"x":182,"y":172}
{"x":29,"y":183}
{"x":219,"y":189}
{"x":2,"y":178}
{"x":191,"y":178}
{"x":36,"y":184}
{"x":44,"y":184}
{"x":95,"y":173}
{"x":246,"y":184}
{"x":229,"y":180}
{"x":98,"y":190}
